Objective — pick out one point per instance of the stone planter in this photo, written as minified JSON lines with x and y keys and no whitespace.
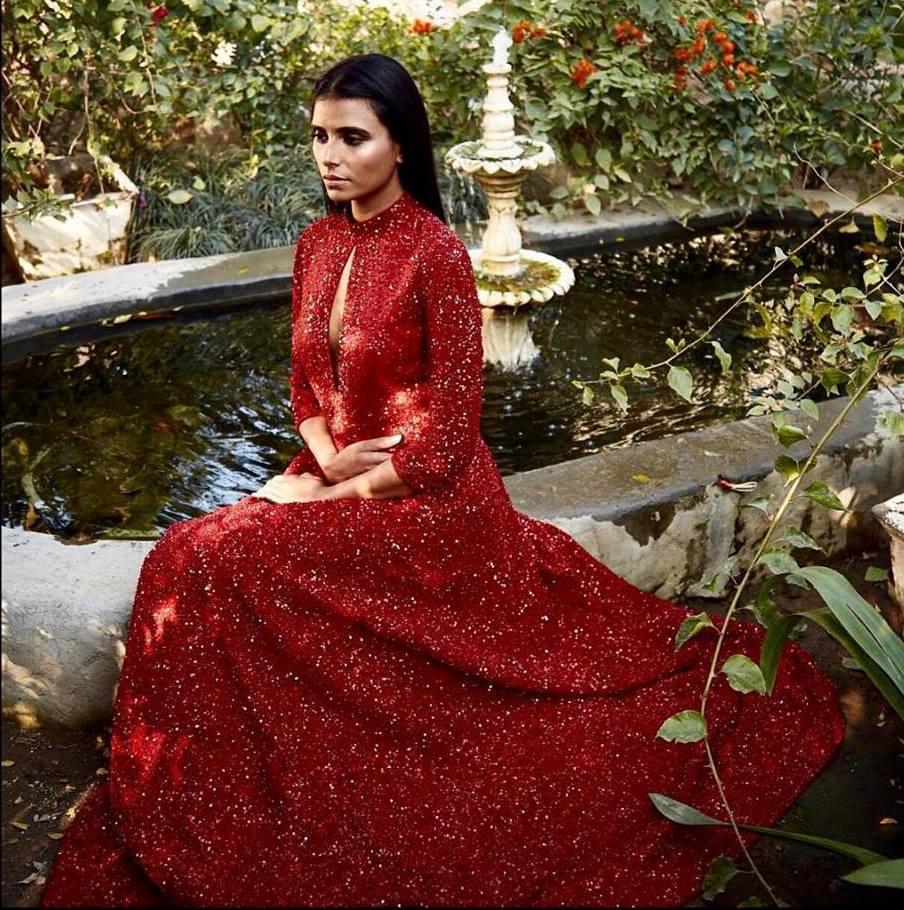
{"x":92,"y":233}
{"x":890,"y":514}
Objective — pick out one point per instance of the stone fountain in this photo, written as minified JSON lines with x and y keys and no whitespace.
{"x":509,"y":279}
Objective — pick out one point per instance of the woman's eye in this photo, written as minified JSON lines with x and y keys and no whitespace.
{"x":351,"y":140}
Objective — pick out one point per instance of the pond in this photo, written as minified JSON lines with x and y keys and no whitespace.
{"x":136,"y":427}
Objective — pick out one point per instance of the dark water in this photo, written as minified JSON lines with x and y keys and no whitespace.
{"x":172,"y":418}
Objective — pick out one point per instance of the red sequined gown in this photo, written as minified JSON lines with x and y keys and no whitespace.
{"x":432,"y":699}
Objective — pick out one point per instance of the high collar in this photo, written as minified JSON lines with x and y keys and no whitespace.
{"x":390,"y":218}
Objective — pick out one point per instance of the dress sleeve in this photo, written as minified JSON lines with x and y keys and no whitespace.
{"x":444,"y":440}
{"x":304,"y":401}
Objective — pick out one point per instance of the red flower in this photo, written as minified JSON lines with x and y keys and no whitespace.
{"x":682,"y":20}
{"x":420,"y":27}
{"x":581,"y":71}
{"x":751,"y":16}
{"x":159,"y":14}
{"x":626,"y":32}
{"x":708,"y":67}
{"x":729,"y":85}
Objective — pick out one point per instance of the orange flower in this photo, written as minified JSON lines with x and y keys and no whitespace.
{"x":682,"y":20}
{"x":519,"y":30}
{"x":581,"y":71}
{"x":421,"y":27}
{"x":626,"y":32}
{"x":728,"y":59}
{"x":708,"y":67}
{"x":751,"y":16}
{"x":729,"y":85}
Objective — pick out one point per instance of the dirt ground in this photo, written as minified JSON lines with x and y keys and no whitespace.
{"x":858,"y":798}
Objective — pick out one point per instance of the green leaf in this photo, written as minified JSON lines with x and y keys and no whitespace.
{"x":773,"y":644}
{"x":587,"y":395}
{"x":880,"y":229}
{"x":603,"y":158}
{"x":721,"y":871}
{"x":821,"y":492}
{"x":683,"y":727}
{"x":788,"y":467}
{"x":758,"y":502}
{"x":179,"y":197}
{"x":832,"y":378}
{"x":260,"y":23}
{"x":744,"y":675}
{"x":810,"y":408}
{"x":862,"y":622}
{"x":579,"y":153}
{"x":842,"y":316}
{"x":778,"y":561}
{"x":691,"y":626}
{"x":620,"y":395}
{"x":785,"y":433}
{"x":889,"y":874}
{"x":877,"y":675}
{"x":683,"y":814}
{"x":876,"y":573}
{"x":681,"y":381}
{"x":798,"y":538}
{"x":128,"y":54}
{"x":723,"y":355}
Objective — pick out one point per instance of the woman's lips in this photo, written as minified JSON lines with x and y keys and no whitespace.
{"x":336,"y":179}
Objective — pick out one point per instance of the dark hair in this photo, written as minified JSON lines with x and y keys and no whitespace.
{"x":390,"y":91}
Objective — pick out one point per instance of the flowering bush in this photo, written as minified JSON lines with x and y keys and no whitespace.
{"x":701,"y":100}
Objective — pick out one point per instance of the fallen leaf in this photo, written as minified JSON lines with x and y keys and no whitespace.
{"x":8,"y":763}
{"x":640,"y":478}
{"x":55,"y":835}
{"x":28,"y":879}
{"x":101,"y":772}
{"x":20,"y":825}
{"x":818,"y":207}
{"x":888,"y":820}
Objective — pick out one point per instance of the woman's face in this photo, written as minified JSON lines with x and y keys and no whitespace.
{"x":349,"y":141}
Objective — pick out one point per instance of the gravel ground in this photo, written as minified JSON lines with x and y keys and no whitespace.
{"x":859,"y":798}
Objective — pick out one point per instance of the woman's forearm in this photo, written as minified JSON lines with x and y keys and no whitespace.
{"x":380,"y":482}
{"x":318,"y":438}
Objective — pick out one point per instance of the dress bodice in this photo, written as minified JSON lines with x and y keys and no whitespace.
{"x":409,"y":355}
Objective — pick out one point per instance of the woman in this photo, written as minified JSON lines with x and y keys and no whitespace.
{"x":374,"y":681}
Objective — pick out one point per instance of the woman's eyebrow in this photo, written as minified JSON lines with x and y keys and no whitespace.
{"x":343,"y":129}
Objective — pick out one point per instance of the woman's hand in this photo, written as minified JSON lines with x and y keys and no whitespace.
{"x":286,"y":488}
{"x":358,"y":457}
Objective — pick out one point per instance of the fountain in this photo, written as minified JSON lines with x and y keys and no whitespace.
{"x":509,"y":278}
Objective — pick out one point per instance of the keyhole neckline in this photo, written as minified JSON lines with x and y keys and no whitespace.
{"x":336,"y":361}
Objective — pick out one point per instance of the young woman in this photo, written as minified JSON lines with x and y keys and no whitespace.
{"x":374,"y":681}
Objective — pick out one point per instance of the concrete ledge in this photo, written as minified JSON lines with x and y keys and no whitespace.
{"x":236,"y":279}
{"x":66,"y":608}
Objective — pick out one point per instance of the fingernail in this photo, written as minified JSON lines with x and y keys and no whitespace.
{"x":396,"y":436}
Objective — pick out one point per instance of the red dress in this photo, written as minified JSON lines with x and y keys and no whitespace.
{"x":432,"y":699}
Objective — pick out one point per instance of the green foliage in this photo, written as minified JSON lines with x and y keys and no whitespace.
{"x":825,"y":83}
{"x":683,"y":814}
{"x":229,"y":202}
{"x":109,"y":78}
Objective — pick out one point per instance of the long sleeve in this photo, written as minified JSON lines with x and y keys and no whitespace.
{"x":304,"y":401}
{"x":442,"y":441}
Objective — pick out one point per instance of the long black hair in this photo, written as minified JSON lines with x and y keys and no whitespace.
{"x":390,"y":91}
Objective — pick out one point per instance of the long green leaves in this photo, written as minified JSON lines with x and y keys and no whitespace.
{"x":682,"y":814}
